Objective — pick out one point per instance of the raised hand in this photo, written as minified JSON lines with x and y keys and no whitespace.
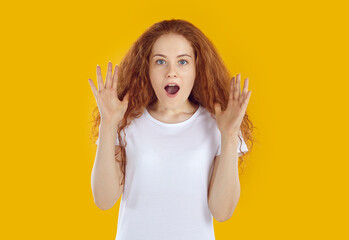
{"x":229,"y":121}
{"x":111,"y":109}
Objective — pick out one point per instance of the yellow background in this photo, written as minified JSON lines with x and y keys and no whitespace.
{"x":295,"y":54}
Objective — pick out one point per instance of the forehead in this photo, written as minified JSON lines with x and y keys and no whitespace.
{"x":172,"y":45}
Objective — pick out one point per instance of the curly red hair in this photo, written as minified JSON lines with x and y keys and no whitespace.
{"x":211,"y":84}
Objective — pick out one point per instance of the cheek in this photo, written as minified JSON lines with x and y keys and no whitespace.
{"x":155,"y":80}
{"x":190,"y":78}
{"x":155,"y":72}
{"x":190,"y":72}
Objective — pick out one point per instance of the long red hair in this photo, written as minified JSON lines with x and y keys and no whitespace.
{"x":211,"y":84}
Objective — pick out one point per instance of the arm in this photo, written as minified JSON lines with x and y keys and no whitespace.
{"x":106,"y":172}
{"x":224,"y":189}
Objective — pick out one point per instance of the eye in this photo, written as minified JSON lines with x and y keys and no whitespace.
{"x":179,"y":61}
{"x":184,"y":60}
{"x":158,"y":60}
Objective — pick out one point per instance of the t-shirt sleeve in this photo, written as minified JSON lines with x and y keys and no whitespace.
{"x":243,"y":148}
{"x":116,"y":141}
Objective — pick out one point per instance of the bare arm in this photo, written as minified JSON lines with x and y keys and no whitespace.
{"x":224,"y":189}
{"x":106,"y":173}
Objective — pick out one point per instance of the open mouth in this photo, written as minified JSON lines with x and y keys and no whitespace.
{"x":172,"y":89}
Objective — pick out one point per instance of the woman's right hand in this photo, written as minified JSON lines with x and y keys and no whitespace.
{"x":111,"y":109}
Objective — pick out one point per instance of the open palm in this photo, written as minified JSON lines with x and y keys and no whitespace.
{"x":229,"y":121}
{"x":110,"y":107}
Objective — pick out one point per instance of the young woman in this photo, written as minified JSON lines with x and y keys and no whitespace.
{"x":184,"y":127}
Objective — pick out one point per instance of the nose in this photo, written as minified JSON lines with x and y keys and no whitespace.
{"x":172,"y":72}
{"x":171,"y":75}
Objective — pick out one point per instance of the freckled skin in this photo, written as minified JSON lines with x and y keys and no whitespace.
{"x":171,"y":68}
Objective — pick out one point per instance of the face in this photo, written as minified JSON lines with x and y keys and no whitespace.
{"x":172,"y":60}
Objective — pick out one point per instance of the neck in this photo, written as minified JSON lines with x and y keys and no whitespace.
{"x":188,"y":107}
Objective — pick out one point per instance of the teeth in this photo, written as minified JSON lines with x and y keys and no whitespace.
{"x":171,"y":85}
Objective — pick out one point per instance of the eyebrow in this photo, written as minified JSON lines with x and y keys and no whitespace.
{"x":161,"y":55}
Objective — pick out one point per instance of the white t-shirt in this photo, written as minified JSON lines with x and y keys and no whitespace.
{"x":168,"y":169}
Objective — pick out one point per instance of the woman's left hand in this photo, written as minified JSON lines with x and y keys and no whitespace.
{"x":229,"y":121}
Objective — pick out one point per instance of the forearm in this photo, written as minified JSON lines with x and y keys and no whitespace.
{"x":225,"y":190}
{"x":104,"y":178}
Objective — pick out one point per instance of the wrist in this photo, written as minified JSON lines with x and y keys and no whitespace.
{"x":107,"y":125}
{"x":110,"y":122}
{"x":233,"y":134}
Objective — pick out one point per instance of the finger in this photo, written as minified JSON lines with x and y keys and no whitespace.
{"x":239,"y":89}
{"x":236,"y":88}
{"x":99,"y":78}
{"x":93,"y":87}
{"x":108,"y":81}
{"x":231,"y":90}
{"x":217,"y":109}
{"x":115,"y":77}
{"x":246,"y":100}
{"x":245,"y":89}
